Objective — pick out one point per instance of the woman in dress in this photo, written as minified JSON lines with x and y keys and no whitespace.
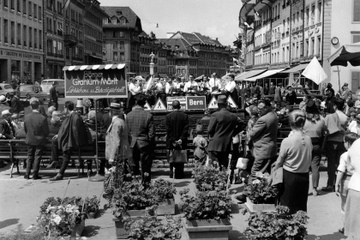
{"x":295,"y":158}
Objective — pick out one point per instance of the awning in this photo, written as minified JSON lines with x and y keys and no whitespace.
{"x":268,"y":73}
{"x":248,"y":74}
{"x":296,"y":69}
{"x":94,"y":67}
{"x":347,"y":53}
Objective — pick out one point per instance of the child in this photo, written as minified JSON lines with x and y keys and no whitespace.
{"x":344,"y":172}
{"x":200,"y":144}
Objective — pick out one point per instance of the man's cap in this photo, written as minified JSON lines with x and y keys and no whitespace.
{"x":221,"y":99}
{"x":115,"y":105}
{"x":34,"y":99}
{"x":139,"y":78}
{"x":346,"y":84}
{"x":2,"y":99}
{"x":6,"y":112}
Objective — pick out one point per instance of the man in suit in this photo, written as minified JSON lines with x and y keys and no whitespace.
{"x":177,"y":127}
{"x":71,"y":137}
{"x":53,"y":96}
{"x":7,"y":130}
{"x":117,"y":149}
{"x":36,"y":129}
{"x":222,"y":127}
{"x":141,"y":128}
{"x":263,"y":135}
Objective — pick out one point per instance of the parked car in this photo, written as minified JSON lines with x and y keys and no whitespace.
{"x":6,"y":89}
{"x":60,"y":87}
{"x":29,"y":90}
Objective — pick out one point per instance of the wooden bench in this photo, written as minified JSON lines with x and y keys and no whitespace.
{"x":16,"y":150}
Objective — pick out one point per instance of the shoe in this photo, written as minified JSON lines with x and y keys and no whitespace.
{"x":341,"y":230}
{"x":56,"y":178}
{"x":241,"y":198}
{"x":36,"y":177}
{"x":171,"y":175}
{"x":27,"y":177}
{"x":328,"y":189}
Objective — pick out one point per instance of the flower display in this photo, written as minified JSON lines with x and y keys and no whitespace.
{"x":261,"y":191}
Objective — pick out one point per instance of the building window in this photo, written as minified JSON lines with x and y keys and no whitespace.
{"x":6,"y":31}
{"x":306,"y":48}
{"x":40,"y":13}
{"x":355,"y":37}
{"x":24,"y":35}
{"x":6,"y":4}
{"x":355,"y":81}
{"x":121,"y":34}
{"x":356,"y":10}
{"x":35,"y":38}
{"x":30,"y":37}
{"x":115,"y":57}
{"x":122,"y":57}
{"x":24,"y":6}
{"x":18,"y":34}
{"x":12,"y":4}
{"x":318,"y":44}
{"x":35,"y":10}
{"x":29,"y":9}
{"x":40,"y":39}
{"x":12,"y":35}
{"x":319,"y":11}
{"x":18,"y":6}
{"x":307,"y":16}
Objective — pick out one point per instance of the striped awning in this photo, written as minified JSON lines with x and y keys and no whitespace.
{"x":268,"y":73}
{"x":296,"y":69}
{"x":94,"y":67}
{"x":248,"y":74}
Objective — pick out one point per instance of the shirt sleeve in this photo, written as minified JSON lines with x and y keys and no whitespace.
{"x":342,"y":162}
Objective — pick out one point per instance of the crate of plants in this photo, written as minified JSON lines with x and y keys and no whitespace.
{"x":209,"y":178}
{"x":207,"y":214}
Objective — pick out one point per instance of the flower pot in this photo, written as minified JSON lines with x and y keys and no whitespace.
{"x":121,"y":232}
{"x":77,"y":231}
{"x":208,"y":229}
{"x":166,"y":207}
{"x":259,"y":207}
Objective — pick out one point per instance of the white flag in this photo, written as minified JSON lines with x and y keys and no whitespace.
{"x":315,"y":72}
{"x":149,"y":84}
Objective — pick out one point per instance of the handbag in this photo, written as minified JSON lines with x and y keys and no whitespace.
{"x":277,"y":176}
{"x":177,"y":156}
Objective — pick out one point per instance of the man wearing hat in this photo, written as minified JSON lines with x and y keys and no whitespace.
{"x":117,"y":148}
{"x":222,"y":127}
{"x":177,"y":127}
{"x":7,"y":130}
{"x":142,"y":131}
{"x":36,"y":129}
{"x":3,"y":103}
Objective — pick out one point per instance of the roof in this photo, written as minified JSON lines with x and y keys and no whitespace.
{"x":196,"y":38}
{"x":120,"y":12}
{"x":173,"y":42}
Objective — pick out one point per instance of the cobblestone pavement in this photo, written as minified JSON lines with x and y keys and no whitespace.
{"x":20,"y":200}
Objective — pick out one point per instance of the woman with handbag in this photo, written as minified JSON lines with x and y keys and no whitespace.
{"x":295,"y":157}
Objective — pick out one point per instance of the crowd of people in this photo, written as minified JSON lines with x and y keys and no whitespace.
{"x":328,"y":126}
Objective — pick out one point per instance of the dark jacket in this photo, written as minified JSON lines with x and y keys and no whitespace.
{"x":177,"y":127}
{"x":141,"y":127}
{"x":36,"y":128}
{"x":5,"y":129}
{"x":222,"y":127}
{"x":263,"y":135}
{"x":72,"y":133}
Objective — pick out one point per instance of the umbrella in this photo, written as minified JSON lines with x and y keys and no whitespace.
{"x":347,"y":53}
{"x":315,"y":72}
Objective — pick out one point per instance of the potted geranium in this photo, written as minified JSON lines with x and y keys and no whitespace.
{"x":152,"y":227}
{"x":92,"y":206}
{"x":207,"y":214}
{"x":62,"y":217}
{"x":260,"y":194}
{"x":209,"y":178}
{"x":164,"y":191}
{"x":278,"y":225}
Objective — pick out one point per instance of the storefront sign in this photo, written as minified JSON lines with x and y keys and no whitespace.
{"x":196,"y":102}
{"x":17,"y":54}
{"x":181,"y":99}
{"x":95,"y":83}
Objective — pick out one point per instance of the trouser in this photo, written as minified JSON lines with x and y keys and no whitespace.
{"x":34,"y":154}
{"x":333,"y":153}
{"x":260,"y":165}
{"x":141,"y":158}
{"x":66,"y":159}
{"x":179,"y":169}
{"x":221,"y":157}
{"x":54,"y":150}
{"x":315,"y":165}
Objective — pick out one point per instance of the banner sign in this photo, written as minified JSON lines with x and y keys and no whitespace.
{"x":196,"y":102}
{"x":181,"y":99}
{"x":95,"y":81}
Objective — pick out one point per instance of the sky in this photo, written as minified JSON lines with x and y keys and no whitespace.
{"x":213,"y":18}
